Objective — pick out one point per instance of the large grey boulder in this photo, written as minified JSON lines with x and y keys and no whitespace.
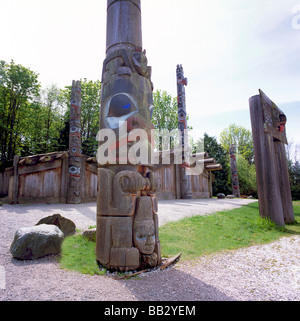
{"x":31,"y":243}
{"x":221,"y":196}
{"x":65,"y":225}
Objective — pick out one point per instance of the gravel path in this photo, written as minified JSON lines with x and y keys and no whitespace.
{"x":265,"y":272}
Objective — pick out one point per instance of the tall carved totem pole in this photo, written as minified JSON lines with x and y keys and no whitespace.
{"x":185,"y":180}
{"x":127,"y":220}
{"x":75,"y":156}
{"x":234,"y":173}
{"x":269,"y":139}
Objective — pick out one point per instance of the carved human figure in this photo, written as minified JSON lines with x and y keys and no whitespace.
{"x":144,"y":226}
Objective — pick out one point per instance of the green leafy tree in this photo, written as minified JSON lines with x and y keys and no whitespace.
{"x":165,"y":116}
{"x":165,"y":111}
{"x":43,"y":132}
{"x":222,"y":183}
{"x":293,"y":168}
{"x":247,"y":177}
{"x":19,"y":88}
{"x":295,"y":180}
{"x":241,"y":138}
{"x":90,"y":114}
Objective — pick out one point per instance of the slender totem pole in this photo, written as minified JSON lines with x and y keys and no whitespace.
{"x":185,"y":180}
{"x":75,"y":156}
{"x":127,"y":220}
{"x":234,"y":173}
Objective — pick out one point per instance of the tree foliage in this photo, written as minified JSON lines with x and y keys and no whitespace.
{"x":241,"y":138}
{"x":165,"y":118}
{"x":19,"y":90}
{"x":247,"y":177}
{"x":294,"y":172}
{"x":165,"y":111}
{"x":35,"y":120}
{"x":43,"y":131}
{"x":222,"y":182}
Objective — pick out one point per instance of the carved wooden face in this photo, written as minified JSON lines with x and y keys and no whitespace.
{"x":144,"y":236}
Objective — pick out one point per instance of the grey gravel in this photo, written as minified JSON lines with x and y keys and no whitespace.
{"x":260,"y":272}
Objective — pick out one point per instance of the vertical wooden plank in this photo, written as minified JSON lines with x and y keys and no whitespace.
{"x":270,"y":204}
{"x":284,"y":183}
{"x":15,"y":180}
{"x":64,"y":180}
{"x":177,"y":181}
{"x":210,"y":181}
{"x":83,"y":178}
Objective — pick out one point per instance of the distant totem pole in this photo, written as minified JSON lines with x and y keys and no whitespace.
{"x":185,"y":180}
{"x":269,"y":139}
{"x":127,"y":220}
{"x":75,"y":156}
{"x":234,"y":173}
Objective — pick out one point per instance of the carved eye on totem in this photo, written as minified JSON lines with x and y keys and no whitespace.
{"x":120,"y":105}
{"x":75,"y":150}
{"x":74,"y":170}
{"x":119,"y":109}
{"x":143,"y":236}
{"x":74,"y":129}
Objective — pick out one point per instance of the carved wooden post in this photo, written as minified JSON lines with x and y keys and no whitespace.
{"x":269,"y":136}
{"x":74,"y":182}
{"x":185,"y":180}
{"x":234,"y":173}
{"x":13,"y":192}
{"x":127,"y":220}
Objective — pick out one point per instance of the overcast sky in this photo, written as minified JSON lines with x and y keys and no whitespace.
{"x":228,"y":48}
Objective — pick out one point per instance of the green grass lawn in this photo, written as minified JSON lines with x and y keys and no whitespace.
{"x":78,"y":254}
{"x":226,"y":230}
{"x":192,"y":236}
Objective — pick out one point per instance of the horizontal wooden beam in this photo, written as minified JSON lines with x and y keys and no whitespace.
{"x":216,"y":167}
{"x":22,"y":170}
{"x":207,"y":161}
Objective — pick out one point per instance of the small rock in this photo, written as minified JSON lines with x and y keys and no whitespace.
{"x":221,"y":196}
{"x":64,"y":224}
{"x":31,"y":243}
{"x":230,"y":197}
{"x":90,"y":234}
{"x":250,"y":197}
